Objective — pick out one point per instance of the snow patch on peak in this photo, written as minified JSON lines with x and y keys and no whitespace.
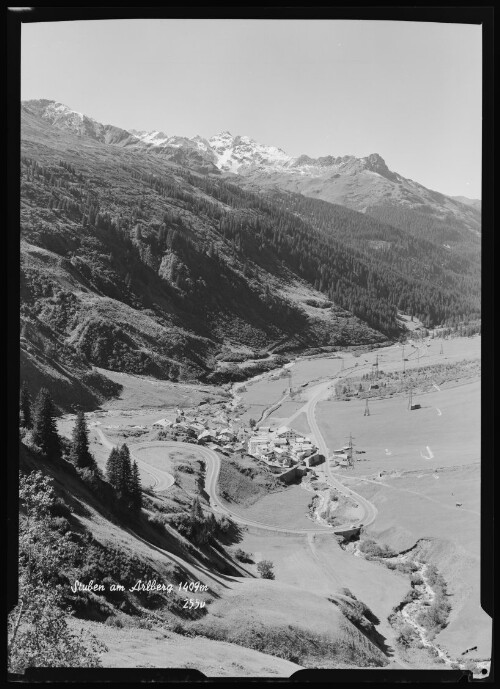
{"x":202,"y":144}
{"x":56,"y":110}
{"x":155,"y":137}
{"x":221,"y":140}
{"x":235,"y":152}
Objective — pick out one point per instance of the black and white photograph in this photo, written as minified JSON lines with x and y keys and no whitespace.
{"x":249,"y":315}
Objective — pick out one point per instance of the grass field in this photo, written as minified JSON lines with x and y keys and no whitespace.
{"x":444,"y":432}
{"x":143,"y":391}
{"x":300,"y":424}
{"x":318,"y":564}
{"x":134,"y":417}
{"x":424,"y":506}
{"x":286,"y":509}
{"x":164,"y":458}
{"x":265,"y":391}
{"x":284,"y":410}
{"x":310,"y":370}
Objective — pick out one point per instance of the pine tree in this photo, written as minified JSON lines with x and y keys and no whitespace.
{"x":124,"y":474}
{"x":199,"y":526}
{"x":45,"y":433}
{"x":136,"y":487}
{"x":80,"y":454}
{"x":26,"y":419}
{"x":112,"y":467}
{"x":196,"y":510}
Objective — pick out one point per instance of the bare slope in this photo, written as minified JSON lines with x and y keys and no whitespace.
{"x":135,"y":647}
{"x":291,"y":623}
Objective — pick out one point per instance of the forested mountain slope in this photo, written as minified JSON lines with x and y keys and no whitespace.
{"x":132,"y":261}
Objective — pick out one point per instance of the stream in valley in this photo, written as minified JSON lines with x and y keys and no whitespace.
{"x":409,"y":610}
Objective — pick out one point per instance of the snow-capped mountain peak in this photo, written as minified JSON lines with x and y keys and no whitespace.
{"x":235,"y":152}
{"x":55,"y":110}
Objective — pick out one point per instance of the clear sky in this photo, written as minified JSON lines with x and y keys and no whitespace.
{"x":410,"y":91}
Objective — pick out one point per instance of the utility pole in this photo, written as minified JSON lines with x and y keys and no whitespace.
{"x":410,"y":399}
{"x":367,"y":409}
{"x":441,"y":350}
{"x":350,"y":452}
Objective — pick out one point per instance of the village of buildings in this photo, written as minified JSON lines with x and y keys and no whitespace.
{"x":286,"y":452}
{"x":283,"y":450}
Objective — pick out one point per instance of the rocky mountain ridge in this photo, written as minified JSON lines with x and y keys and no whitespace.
{"x":363,"y":184}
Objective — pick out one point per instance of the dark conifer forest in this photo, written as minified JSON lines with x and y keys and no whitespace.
{"x":131,"y":262}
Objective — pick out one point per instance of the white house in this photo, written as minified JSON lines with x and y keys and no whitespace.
{"x":282,"y":456}
{"x":197,"y":427}
{"x":258,"y":444}
{"x":162,"y":423}
{"x":286,"y":433}
{"x":341,"y":456}
{"x":303,"y":449}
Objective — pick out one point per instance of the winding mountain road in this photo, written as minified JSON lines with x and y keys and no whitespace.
{"x":369,"y":509}
{"x":162,"y":480}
